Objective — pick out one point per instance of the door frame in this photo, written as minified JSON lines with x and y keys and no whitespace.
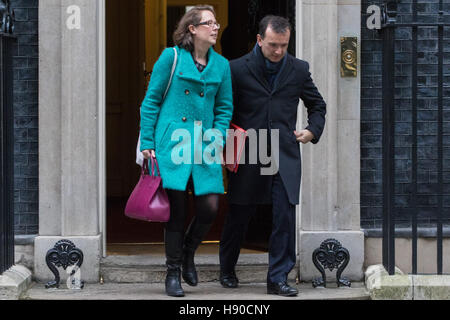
{"x":101,"y":142}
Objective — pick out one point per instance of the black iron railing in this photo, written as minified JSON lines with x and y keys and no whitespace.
{"x":6,"y":154}
{"x":389,"y":25}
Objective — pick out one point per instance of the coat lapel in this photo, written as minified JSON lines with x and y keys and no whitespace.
{"x":188,"y":70}
{"x":257,"y":71}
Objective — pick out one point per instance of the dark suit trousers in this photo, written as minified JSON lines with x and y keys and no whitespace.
{"x":282,"y":240}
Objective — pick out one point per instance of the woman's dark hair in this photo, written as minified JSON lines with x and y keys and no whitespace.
{"x":277,"y":24}
{"x":182,"y":37}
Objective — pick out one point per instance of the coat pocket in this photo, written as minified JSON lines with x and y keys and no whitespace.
{"x":291,"y":136}
{"x":165,"y":135}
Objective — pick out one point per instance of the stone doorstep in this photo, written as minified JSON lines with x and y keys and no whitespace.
{"x":251,"y":268}
{"x":154,"y":274}
{"x":14,"y":282}
{"x":400,"y":286}
{"x":203,"y":292}
{"x":152,"y":269}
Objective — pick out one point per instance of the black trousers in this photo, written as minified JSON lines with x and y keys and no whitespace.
{"x":282,"y":240}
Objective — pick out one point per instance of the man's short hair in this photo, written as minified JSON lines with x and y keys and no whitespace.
{"x":277,"y":24}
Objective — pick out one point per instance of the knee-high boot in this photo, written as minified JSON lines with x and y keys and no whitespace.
{"x":194,"y":236}
{"x":174,"y":247}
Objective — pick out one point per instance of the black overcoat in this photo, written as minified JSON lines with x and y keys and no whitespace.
{"x":257,"y":106}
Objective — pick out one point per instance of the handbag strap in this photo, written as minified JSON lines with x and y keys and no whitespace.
{"x":171,"y":72}
{"x":174,"y":65}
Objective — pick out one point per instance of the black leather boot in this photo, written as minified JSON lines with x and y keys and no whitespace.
{"x":194,"y":235}
{"x":174,"y":244}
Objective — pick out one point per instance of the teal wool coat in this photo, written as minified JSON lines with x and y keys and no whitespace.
{"x":195,"y":102}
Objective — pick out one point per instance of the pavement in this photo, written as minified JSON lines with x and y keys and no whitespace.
{"x":204,"y":291}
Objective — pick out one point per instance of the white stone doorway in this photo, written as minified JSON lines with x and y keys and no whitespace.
{"x":131,"y":48}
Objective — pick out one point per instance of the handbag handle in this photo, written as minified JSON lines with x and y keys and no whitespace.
{"x":155,"y":162}
{"x":145,"y":168}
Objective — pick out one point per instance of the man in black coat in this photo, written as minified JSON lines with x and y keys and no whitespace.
{"x":267,"y":86}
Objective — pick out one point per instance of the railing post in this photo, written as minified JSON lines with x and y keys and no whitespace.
{"x":6,"y":141}
{"x":388,"y":30}
{"x":440,"y":211}
{"x":414,"y":154}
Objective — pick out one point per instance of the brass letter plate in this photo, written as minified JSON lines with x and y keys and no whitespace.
{"x":349,"y":56}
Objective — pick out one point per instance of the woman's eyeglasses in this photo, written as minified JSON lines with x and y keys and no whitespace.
{"x":209,"y":23}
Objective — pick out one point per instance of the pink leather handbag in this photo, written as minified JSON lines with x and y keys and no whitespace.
{"x":149,"y":201}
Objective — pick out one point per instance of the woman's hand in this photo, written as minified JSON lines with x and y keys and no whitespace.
{"x":149,"y":153}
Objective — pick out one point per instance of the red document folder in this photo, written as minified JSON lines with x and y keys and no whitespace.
{"x":238,"y":140}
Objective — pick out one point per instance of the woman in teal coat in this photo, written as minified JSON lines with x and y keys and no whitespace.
{"x":185,"y":131}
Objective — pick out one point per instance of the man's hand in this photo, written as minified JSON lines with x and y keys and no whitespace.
{"x":304,"y":136}
{"x":149,"y":153}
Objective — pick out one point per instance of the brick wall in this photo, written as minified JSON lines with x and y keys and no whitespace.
{"x":371,"y":117}
{"x":25,"y":106}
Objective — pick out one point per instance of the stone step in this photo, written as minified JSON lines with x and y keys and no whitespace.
{"x":252,"y":268}
{"x":205,"y":291}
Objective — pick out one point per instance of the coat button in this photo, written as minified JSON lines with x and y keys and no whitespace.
{"x":184,"y":119}
{"x":202,"y":94}
{"x":186,"y":91}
